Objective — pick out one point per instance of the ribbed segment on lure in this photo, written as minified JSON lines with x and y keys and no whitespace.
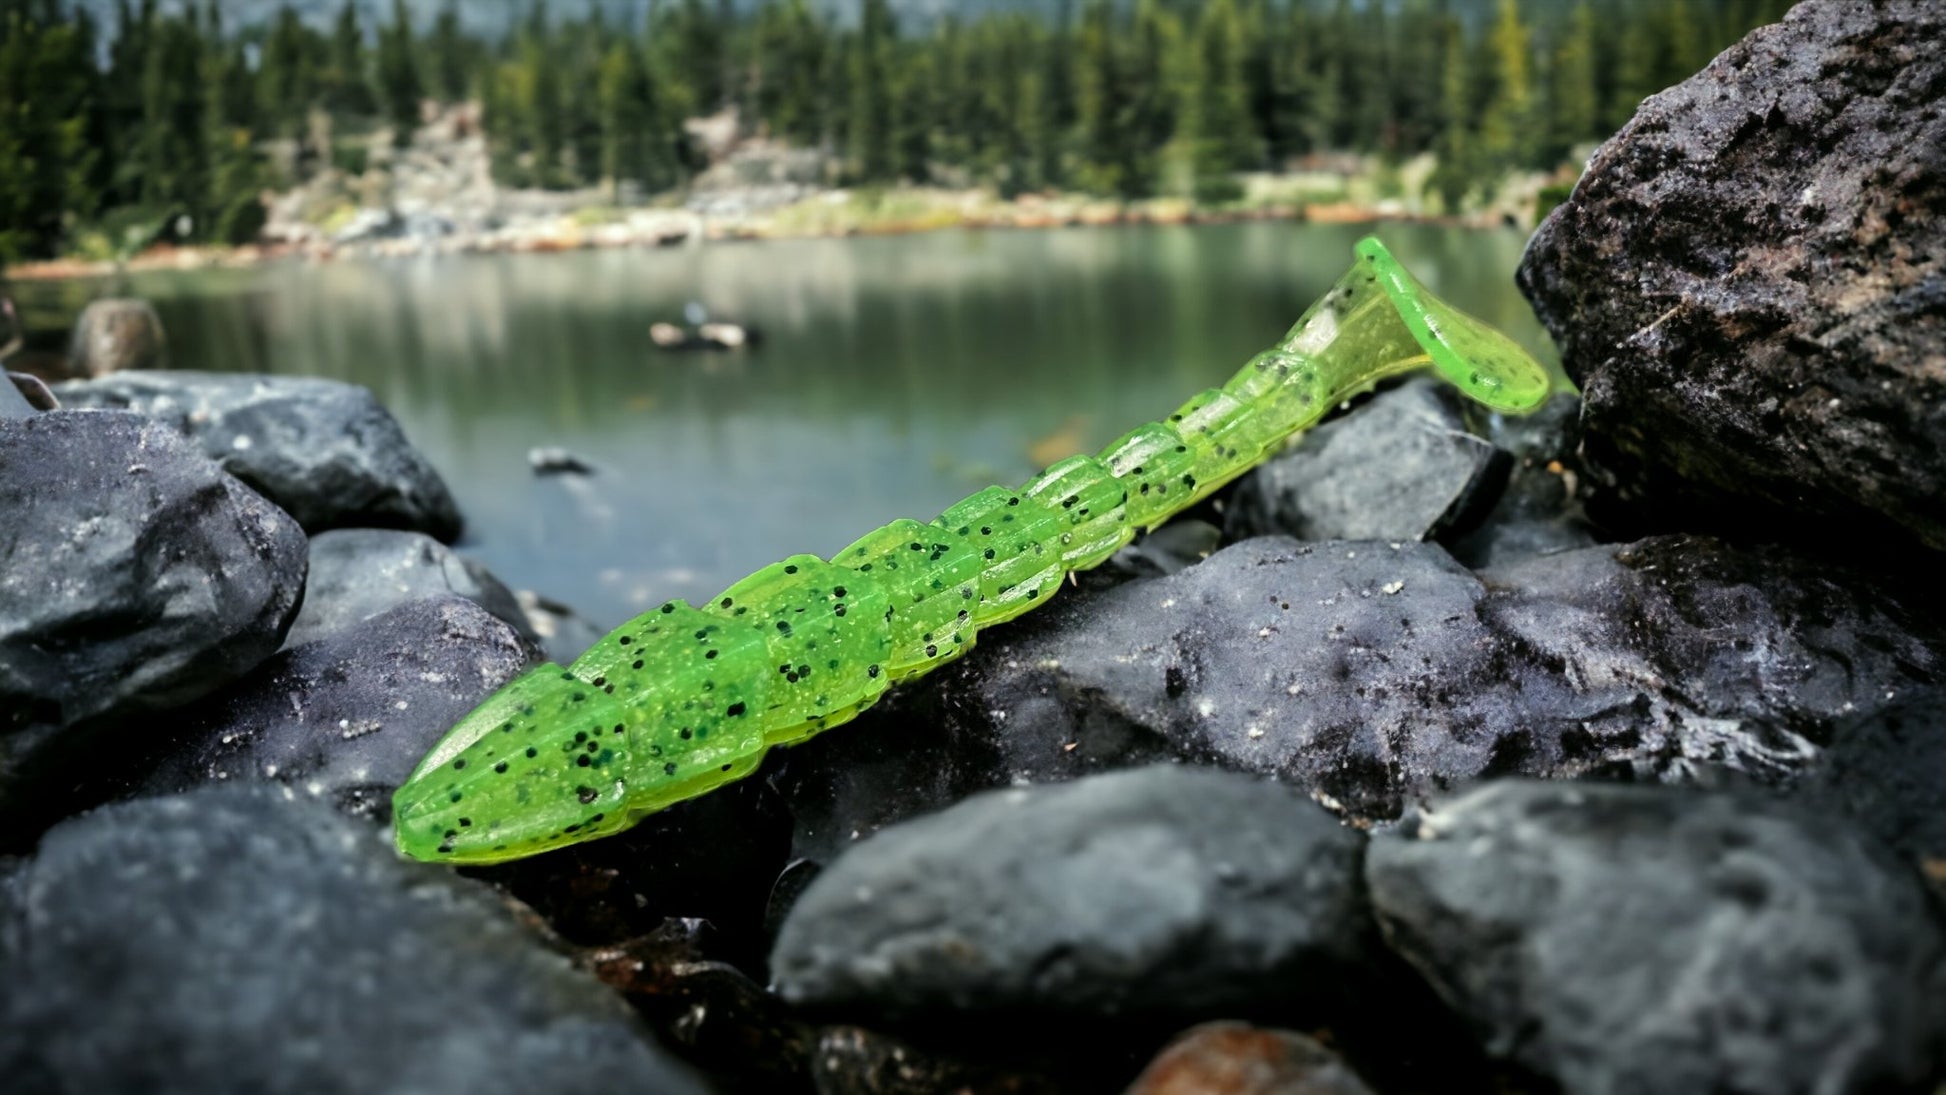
{"x":682,"y":699}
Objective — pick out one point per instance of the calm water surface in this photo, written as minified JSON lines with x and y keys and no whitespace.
{"x":897,"y":374}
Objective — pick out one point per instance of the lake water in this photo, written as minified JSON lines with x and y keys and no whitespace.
{"x":897,"y":374}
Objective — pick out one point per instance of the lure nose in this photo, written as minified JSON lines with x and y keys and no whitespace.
{"x":541,"y":764}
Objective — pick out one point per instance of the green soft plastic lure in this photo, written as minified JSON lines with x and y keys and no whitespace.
{"x":682,"y":700}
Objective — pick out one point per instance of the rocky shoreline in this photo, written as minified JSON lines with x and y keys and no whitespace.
{"x":1602,"y":751}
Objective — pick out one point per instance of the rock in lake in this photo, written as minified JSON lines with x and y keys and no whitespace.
{"x":358,"y":573}
{"x":233,"y":939}
{"x":347,"y":717}
{"x":1655,"y":939}
{"x":325,"y":451}
{"x":117,"y":334}
{"x":1749,"y":282}
{"x":1403,"y":468}
{"x":1371,"y":674}
{"x":1162,"y":891}
{"x":134,"y":575}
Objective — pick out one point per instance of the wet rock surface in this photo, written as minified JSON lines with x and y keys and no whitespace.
{"x":1887,"y":770}
{"x":1749,"y":283}
{"x":1165,"y":890}
{"x":134,"y":575}
{"x":345,"y":718}
{"x":325,"y":451}
{"x":1665,"y":939}
{"x":1373,"y":674}
{"x":235,"y":939}
{"x":1404,"y":467}
{"x":357,"y":574}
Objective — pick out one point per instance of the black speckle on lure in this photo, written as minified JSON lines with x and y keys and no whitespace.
{"x":692,"y":698}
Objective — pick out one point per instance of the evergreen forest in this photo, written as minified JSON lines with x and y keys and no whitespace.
{"x":168,"y":115}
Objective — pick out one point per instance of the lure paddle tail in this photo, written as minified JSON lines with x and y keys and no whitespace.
{"x":682,"y":699}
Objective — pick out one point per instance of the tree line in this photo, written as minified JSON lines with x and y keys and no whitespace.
{"x":168,"y":116}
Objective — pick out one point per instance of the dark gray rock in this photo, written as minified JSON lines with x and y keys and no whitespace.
{"x":325,"y":451}
{"x":1403,"y":468}
{"x":235,"y":940}
{"x":347,"y":717}
{"x":134,"y":575}
{"x":1653,"y":939}
{"x":1538,"y":513}
{"x":1749,"y":283}
{"x":1167,"y":890}
{"x":358,"y":573}
{"x":1887,"y":770}
{"x":115,"y":334}
{"x":1370,"y":674}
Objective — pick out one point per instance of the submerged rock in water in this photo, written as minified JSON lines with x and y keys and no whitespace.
{"x":1665,"y":939}
{"x":1749,"y":283}
{"x":1404,"y":467}
{"x":325,"y":451}
{"x":235,"y":940}
{"x":358,"y":573}
{"x":1372,"y":674}
{"x":1163,"y":891}
{"x":115,"y":335}
{"x":134,"y":575}
{"x":346,"y":717}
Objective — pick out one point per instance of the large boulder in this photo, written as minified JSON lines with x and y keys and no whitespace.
{"x":1373,"y":674}
{"x":116,"y":334}
{"x":1749,"y":283}
{"x":1656,"y":939}
{"x":135,"y":575}
{"x":324,"y":450}
{"x":238,"y":939}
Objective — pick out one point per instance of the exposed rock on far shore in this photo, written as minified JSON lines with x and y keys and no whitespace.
{"x":1749,"y":284}
{"x":325,"y":451}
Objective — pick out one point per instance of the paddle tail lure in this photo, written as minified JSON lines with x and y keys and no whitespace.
{"x":684,"y":699}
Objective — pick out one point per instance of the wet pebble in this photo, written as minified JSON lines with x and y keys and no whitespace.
{"x":358,"y":573}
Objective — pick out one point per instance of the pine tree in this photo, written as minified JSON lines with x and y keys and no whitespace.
{"x":871,"y":134}
{"x":1507,"y":125}
{"x":1572,"y":99}
{"x":451,"y":57}
{"x":346,"y":89}
{"x":398,"y":75}
{"x":1217,"y":121}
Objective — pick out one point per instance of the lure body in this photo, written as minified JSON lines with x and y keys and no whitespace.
{"x":682,"y":699}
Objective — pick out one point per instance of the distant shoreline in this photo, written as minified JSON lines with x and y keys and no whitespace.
{"x":918,"y":211}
